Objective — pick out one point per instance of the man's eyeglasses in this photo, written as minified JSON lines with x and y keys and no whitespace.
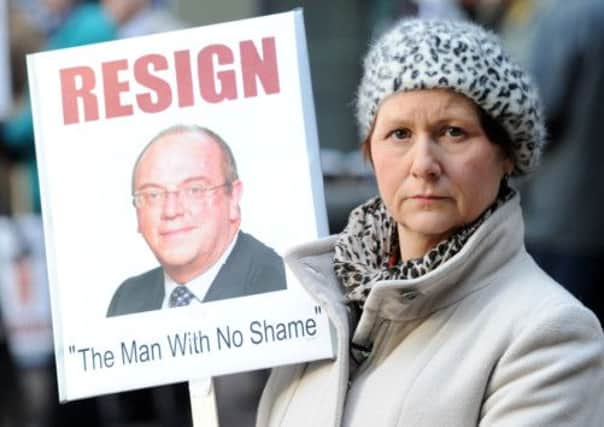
{"x":156,"y":197}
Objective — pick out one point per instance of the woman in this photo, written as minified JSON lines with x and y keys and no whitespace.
{"x":440,"y":317}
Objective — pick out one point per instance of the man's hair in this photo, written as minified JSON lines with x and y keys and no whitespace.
{"x":229,"y":167}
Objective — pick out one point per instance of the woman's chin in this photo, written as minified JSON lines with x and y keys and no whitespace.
{"x":430,"y":226}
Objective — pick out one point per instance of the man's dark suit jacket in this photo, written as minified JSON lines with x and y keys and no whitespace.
{"x":251,"y":268}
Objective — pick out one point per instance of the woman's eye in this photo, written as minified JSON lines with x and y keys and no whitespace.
{"x":454,"y":132}
{"x":401,"y":134}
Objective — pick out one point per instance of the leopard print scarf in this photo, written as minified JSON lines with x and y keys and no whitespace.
{"x":367,"y":251}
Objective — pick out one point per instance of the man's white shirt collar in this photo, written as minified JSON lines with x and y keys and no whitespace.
{"x":199,"y":285}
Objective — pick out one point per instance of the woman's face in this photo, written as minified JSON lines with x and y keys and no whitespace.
{"x":435,"y":167}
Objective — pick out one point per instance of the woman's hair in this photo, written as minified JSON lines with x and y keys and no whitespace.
{"x":496,"y":133}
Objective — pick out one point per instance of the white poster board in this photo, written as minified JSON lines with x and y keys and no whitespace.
{"x":95,"y":108}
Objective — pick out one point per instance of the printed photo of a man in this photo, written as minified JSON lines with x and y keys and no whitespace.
{"x":186,"y":192}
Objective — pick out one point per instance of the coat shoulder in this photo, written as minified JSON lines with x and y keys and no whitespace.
{"x":535,"y":293}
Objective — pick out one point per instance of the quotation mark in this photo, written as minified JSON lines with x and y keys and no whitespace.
{"x":72,"y":349}
{"x":317,"y":309}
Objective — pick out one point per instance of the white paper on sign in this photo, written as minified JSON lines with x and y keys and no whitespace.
{"x":112,"y":264}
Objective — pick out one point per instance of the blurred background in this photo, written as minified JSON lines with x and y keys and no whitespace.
{"x":560,"y":42}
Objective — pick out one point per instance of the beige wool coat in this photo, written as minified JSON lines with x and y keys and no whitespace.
{"x":486,"y":339}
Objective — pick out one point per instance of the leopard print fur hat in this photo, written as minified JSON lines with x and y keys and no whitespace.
{"x":429,"y":54}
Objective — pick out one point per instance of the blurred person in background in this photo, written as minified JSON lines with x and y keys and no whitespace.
{"x":81,"y":22}
{"x":564,"y":200}
{"x":149,"y":17}
{"x":26,"y":346}
{"x":55,"y":24}
{"x":73,"y":23}
{"x":440,"y":316}
{"x":384,"y":13}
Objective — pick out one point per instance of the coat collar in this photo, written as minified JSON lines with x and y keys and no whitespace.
{"x":491,"y":247}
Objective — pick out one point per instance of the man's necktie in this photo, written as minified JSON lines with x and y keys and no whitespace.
{"x":180,"y":296}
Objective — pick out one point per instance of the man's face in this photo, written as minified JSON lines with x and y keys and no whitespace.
{"x":186,"y":227}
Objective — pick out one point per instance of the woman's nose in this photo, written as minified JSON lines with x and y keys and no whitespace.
{"x":425,"y":162}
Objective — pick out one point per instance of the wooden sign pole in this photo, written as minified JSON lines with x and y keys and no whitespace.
{"x":203,"y":403}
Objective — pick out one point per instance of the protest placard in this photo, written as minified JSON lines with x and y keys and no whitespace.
{"x":127,"y":222}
